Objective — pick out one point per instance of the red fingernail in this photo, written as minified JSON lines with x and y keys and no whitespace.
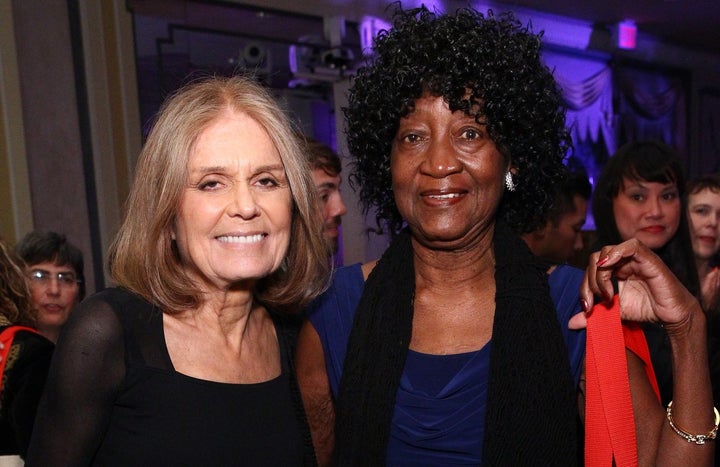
{"x":602,"y":260}
{"x":584,"y":304}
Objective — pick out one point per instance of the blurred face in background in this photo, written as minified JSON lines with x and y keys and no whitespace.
{"x":55,"y":291}
{"x":562,"y":239}
{"x":332,"y":205}
{"x":648,"y":211}
{"x":704,"y":216}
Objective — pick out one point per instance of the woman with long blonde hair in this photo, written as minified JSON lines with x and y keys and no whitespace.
{"x":187,"y":361}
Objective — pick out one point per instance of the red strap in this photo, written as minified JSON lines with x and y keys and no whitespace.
{"x":609,"y":422}
{"x":636,"y":343}
{"x":6,"y":338}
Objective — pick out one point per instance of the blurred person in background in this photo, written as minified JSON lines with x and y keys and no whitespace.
{"x":703,"y":206}
{"x":326,"y":167}
{"x":54,"y":269}
{"x":561,"y":236}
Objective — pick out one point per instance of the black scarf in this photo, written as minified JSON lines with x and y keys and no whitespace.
{"x":531,"y":415}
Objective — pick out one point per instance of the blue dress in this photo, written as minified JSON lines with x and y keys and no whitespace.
{"x":439,"y":412}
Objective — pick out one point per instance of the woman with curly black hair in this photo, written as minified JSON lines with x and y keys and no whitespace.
{"x":453,"y":348}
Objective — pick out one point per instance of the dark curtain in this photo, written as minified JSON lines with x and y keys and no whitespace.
{"x":651,"y":105}
{"x":708,"y":159}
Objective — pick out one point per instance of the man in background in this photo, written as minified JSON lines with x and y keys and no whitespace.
{"x":326,"y":167}
{"x":561,"y":236}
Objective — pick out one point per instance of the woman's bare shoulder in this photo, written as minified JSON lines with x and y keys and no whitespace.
{"x":367,"y":268}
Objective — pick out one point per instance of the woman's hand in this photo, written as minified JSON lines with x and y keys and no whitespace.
{"x":710,"y":289}
{"x":647,"y":289}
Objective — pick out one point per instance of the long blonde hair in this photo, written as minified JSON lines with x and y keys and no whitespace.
{"x":143,"y":258}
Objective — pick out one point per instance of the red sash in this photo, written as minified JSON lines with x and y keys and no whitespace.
{"x":609,"y":422}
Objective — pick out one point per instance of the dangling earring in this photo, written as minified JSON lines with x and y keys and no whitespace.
{"x":509,"y":184}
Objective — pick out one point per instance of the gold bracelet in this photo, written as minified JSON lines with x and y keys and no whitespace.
{"x":697,"y":439}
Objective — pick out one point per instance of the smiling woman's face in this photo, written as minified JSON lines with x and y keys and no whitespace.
{"x":448,"y":176}
{"x":704,"y":215}
{"x":236,"y":211}
{"x":648,"y":211}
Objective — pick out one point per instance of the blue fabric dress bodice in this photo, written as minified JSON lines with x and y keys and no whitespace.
{"x":439,"y":414}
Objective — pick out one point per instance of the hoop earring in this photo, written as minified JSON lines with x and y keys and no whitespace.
{"x":509,"y":183}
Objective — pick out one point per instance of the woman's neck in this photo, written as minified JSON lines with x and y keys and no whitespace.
{"x":51,"y":333}
{"x":437,"y":267}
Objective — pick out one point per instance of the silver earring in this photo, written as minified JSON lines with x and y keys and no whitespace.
{"x":509,"y":183}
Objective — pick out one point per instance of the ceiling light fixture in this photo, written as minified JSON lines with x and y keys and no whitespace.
{"x":627,"y":34}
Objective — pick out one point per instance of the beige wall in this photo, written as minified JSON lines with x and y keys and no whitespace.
{"x":52,"y":140}
{"x":67,"y":157}
{"x":50,"y":118}
{"x":15,"y":205}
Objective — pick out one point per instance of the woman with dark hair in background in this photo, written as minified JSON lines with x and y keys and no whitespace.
{"x":54,"y":269}
{"x":27,"y":359}
{"x":640,"y":194}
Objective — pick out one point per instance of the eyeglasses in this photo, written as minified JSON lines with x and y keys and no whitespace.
{"x":65,"y":279}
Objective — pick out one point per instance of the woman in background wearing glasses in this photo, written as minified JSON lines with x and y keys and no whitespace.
{"x":55,"y":277}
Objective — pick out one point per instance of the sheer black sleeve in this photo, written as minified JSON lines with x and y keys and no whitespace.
{"x":86,"y":372}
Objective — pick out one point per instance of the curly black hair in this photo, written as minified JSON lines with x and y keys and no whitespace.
{"x":474,"y":61}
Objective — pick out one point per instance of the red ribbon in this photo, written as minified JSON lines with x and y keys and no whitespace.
{"x":609,"y":421}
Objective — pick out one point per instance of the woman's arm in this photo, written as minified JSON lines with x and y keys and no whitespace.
{"x":692,"y":406}
{"x":315,"y":389}
{"x":648,"y":291}
{"x":86,"y":371}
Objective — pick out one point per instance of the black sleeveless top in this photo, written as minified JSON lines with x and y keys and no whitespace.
{"x":142,"y":412}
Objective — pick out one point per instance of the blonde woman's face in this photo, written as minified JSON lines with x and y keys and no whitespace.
{"x":704,"y":214}
{"x":235,"y":214}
